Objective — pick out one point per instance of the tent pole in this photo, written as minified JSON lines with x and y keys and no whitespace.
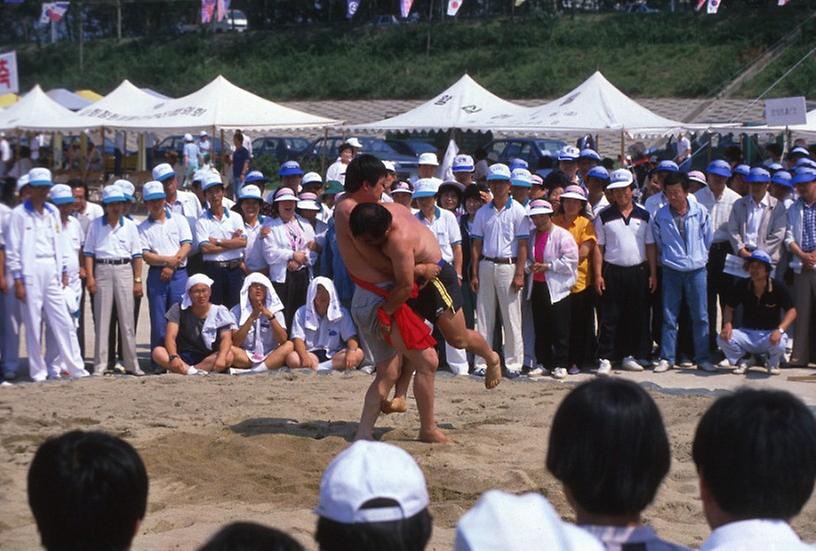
{"x":786,"y":141}
{"x":623,"y":149}
{"x":323,"y":150}
{"x":102,"y":151}
{"x":223,"y":151}
{"x":213,"y":152}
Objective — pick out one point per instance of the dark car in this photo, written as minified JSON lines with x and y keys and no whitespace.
{"x":176,"y":143}
{"x":283,"y":148}
{"x":411,"y":147}
{"x":406,"y":165}
{"x":529,"y":149}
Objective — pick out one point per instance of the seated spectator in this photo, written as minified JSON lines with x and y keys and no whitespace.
{"x":250,"y":536}
{"x":609,"y":449}
{"x":319,"y":330}
{"x":198,"y":339}
{"x":755,"y":452}
{"x":87,"y":490}
{"x":259,"y":340}
{"x":767,"y":313}
{"x":500,"y":521}
{"x":373,"y":497}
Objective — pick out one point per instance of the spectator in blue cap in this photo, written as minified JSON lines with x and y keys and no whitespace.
{"x":587,"y":159}
{"x":596,"y":181}
{"x":518,"y":163}
{"x":781,"y":188}
{"x":758,"y":220}
{"x":291,"y":174}
{"x":655,"y":198}
{"x":767,"y":313}
{"x":738,"y":176}
{"x":719,"y":200}
{"x":800,"y":239}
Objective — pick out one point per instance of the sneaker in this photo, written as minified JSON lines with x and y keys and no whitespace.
{"x":367,"y":369}
{"x":511,"y":374}
{"x":742,"y":367}
{"x":574,"y":370}
{"x":706,"y":366}
{"x":630,"y":364}
{"x":604,"y":367}
{"x":119,"y":369}
{"x":480,"y":371}
{"x":99,"y":372}
{"x":662,"y":366}
{"x":725,"y":364}
{"x":136,"y":371}
{"x":773,"y":370}
{"x":559,"y":373}
{"x":685,"y":362}
{"x":537,"y":371}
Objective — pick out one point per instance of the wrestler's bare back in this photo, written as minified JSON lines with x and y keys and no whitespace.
{"x":374,"y":263}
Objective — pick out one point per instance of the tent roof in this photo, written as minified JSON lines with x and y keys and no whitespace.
{"x":36,"y":111}
{"x":154,"y":93}
{"x":219,"y":104}
{"x":596,"y":105}
{"x":122,"y":101}
{"x":68,"y":99}
{"x":89,"y":95}
{"x":466,"y":104}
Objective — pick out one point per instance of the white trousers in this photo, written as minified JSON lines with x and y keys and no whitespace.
{"x":457,"y":360}
{"x":10,"y":320}
{"x":494,"y":288}
{"x":45,"y":301}
{"x":52,"y":356}
{"x":752,"y":341}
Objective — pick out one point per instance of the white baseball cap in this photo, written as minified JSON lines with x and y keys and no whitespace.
{"x":426,"y":187}
{"x":40,"y":177}
{"x":112,"y":194}
{"x":401,"y":187}
{"x":369,"y":470}
{"x":188,"y":137}
{"x":500,"y":521}
{"x":389,"y":166}
{"x":463,"y":163}
{"x":569,"y":153}
{"x":354,"y":142}
{"x":202,"y":133}
{"x":153,"y":190}
{"x":211,"y":180}
{"x":61,"y":194}
{"x":498,"y":171}
{"x":163,"y":171}
{"x":311,"y":178}
{"x":539,"y":206}
{"x":128,"y":189}
{"x":429,"y":159}
{"x":308,"y":201}
{"x":521,"y":177}
{"x":250,"y":191}
{"x":22,"y":182}
{"x":620,"y":178}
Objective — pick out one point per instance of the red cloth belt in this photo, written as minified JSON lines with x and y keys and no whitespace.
{"x":415,"y":334}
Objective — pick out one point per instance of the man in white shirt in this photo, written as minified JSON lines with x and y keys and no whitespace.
{"x":755,"y":453}
{"x":184,"y":203}
{"x":347,"y":151}
{"x":5,"y":154}
{"x":499,"y":241}
{"x":113,"y":264}
{"x":10,"y":314}
{"x":718,"y":199}
{"x":758,"y":220}
{"x":37,"y":264}
{"x":683,"y":150}
{"x":221,"y":238}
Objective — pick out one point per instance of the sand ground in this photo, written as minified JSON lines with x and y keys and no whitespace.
{"x":223,"y":448}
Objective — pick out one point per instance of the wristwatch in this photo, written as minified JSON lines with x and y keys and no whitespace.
{"x":137,"y":280}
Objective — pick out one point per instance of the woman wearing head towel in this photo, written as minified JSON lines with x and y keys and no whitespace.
{"x":323,"y":332}
{"x":259,"y":342}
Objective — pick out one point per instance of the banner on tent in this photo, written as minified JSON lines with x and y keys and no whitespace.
{"x":785,"y":111}
{"x":8,"y":73}
{"x":453,"y":7}
{"x":53,"y":11}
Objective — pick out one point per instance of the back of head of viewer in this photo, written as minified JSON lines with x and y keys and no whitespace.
{"x":250,"y":536}
{"x":755,"y":452}
{"x":373,"y":497}
{"x":88,"y":491}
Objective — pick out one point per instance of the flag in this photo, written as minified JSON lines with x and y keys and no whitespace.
{"x":453,"y":7}
{"x":445,"y":169}
{"x":713,"y":6}
{"x":783,"y":2}
{"x":700,"y":4}
{"x":53,"y":11}
{"x":405,"y":7}
{"x":222,"y":9}
{"x":8,"y":73}
{"x":519,"y":2}
{"x":207,"y":10}
{"x":351,"y":8}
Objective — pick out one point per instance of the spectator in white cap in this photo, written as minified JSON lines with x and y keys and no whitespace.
{"x":308,"y":207}
{"x":427,"y":165}
{"x":256,"y":228}
{"x":390,"y":178}
{"x":500,"y":522}
{"x":287,"y":251}
{"x":323,"y":333}
{"x":552,"y":265}
{"x":610,"y":451}
{"x":166,"y":242}
{"x":697,"y":181}
{"x":623,"y":278}
{"x":521,"y":182}
{"x":184,"y":203}
{"x":499,"y":240}
{"x":313,"y":183}
{"x":568,"y":162}
{"x":35,"y":257}
{"x":373,"y":497}
{"x":204,"y":143}
{"x":463,"y":169}
{"x":347,"y":151}
{"x":402,"y":193}
{"x":191,"y":157}
{"x":199,"y":334}
{"x":113,"y":264}
{"x":222,"y":239}
{"x":259,"y":338}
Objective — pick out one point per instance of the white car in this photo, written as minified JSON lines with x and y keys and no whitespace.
{"x":236,"y":20}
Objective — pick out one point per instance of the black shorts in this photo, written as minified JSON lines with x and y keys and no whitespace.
{"x":439,"y":295}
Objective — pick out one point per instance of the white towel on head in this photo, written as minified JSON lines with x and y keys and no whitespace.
{"x":273,"y":301}
{"x":192,"y":281}
{"x":332,"y":314}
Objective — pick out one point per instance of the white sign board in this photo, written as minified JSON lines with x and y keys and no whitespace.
{"x":8,"y":74}
{"x":785,"y":111}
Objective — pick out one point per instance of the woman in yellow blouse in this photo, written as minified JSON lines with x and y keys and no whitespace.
{"x":573,"y":215}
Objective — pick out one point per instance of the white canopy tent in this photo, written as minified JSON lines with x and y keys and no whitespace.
{"x":68,"y":99}
{"x":125,"y":98}
{"x":595,"y":106}
{"x":37,"y":112}
{"x":807,"y":129}
{"x":465,"y":105}
{"x":218,"y":105}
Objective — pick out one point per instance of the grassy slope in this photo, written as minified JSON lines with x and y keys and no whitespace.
{"x":645,"y":55}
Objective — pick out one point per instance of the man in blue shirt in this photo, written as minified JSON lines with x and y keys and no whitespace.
{"x":681,"y":234}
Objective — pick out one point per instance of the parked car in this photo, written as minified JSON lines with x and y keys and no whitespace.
{"x":235,"y":20}
{"x":529,"y":149}
{"x":411,"y":147}
{"x":283,"y":148}
{"x":176,"y":143}
{"x":406,"y":165}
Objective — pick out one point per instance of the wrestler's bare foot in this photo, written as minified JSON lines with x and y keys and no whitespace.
{"x":493,"y":372}
{"x":397,"y":405}
{"x":433,"y":436}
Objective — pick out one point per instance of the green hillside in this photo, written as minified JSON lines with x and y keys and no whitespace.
{"x":686,"y":55}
